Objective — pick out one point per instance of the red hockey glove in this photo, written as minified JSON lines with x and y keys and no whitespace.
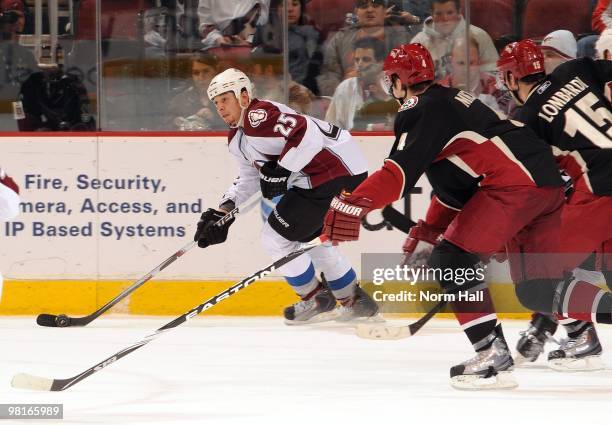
{"x":343,"y":220}
{"x":421,"y":240}
{"x":8,"y":182}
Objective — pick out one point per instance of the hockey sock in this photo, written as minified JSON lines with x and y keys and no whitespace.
{"x":341,"y":278}
{"x":583,"y":301}
{"x":305,"y":284}
{"x":475,"y":312}
{"x":344,"y":286}
{"x":477,"y":318}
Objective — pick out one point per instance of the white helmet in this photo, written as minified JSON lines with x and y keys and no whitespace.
{"x":231,"y":79}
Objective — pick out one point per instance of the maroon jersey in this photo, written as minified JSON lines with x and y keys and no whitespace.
{"x":314,"y":151}
{"x":570,"y":110}
{"x":446,"y":123}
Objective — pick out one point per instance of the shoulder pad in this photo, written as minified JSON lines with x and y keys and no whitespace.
{"x":410,"y":103}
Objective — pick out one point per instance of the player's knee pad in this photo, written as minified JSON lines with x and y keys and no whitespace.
{"x":275,"y":245}
{"x":447,"y":256}
{"x":537,"y":294}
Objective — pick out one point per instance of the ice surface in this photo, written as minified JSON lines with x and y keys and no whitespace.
{"x":258,"y":371}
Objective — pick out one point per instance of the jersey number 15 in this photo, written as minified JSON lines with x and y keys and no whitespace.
{"x":592,"y":129}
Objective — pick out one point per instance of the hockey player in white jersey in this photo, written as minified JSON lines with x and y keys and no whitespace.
{"x":9,"y":204}
{"x":280,"y":151}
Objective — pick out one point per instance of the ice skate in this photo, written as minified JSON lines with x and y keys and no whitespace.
{"x":532,"y":341}
{"x":319,"y":307}
{"x":579,"y":353}
{"x":488,"y":369}
{"x":358,"y":308}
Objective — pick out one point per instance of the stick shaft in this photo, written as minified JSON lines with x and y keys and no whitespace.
{"x":82,"y":321}
{"x":62,"y":384}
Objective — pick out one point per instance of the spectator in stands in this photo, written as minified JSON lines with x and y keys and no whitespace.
{"x":191,"y":109}
{"x":600,"y":21}
{"x":305,"y":56}
{"x":397,"y":15}
{"x":355,"y":96}
{"x":481,"y":84}
{"x":604,"y":45}
{"x":155,"y":34}
{"x":418,"y":8}
{"x":17,"y":63}
{"x":55,"y":101}
{"x":446,"y":24}
{"x":18,"y":8}
{"x":266,"y":72}
{"x":558,"y":47}
{"x":231,"y":22}
{"x":338,"y":52}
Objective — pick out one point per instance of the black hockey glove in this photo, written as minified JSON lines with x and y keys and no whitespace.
{"x":273,"y":179}
{"x":209,"y":234}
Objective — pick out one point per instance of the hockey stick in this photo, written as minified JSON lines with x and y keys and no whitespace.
{"x":382,"y":331}
{"x":397,"y":219}
{"x":63,"y":321}
{"x":31,"y":382}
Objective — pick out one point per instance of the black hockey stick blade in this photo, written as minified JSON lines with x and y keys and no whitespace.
{"x":60,"y":321}
{"x":397,"y":219}
{"x":388,"y":332}
{"x":32,"y":382}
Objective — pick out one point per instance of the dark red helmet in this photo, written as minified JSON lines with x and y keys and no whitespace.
{"x":521,"y":58}
{"x":412,"y":63}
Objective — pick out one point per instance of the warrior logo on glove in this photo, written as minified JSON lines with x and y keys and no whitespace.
{"x":343,"y":219}
{"x":338,"y":205}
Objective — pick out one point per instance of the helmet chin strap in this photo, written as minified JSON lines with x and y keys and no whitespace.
{"x":401,"y":100}
{"x":242,"y":111}
{"x":513,"y":93}
{"x":515,"y":96}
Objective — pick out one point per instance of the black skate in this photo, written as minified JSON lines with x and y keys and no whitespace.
{"x":581,"y":352}
{"x":319,"y":307}
{"x":488,"y":369}
{"x":531,"y":344}
{"x":359,"y":307}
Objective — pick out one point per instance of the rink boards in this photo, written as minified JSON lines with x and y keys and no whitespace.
{"x":100,"y":210}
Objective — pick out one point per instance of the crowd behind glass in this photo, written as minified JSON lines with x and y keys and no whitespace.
{"x":146,"y":64}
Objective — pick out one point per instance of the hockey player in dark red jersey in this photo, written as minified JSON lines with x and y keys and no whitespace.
{"x":570,"y":110}
{"x":519,"y":196}
{"x":281,"y":152}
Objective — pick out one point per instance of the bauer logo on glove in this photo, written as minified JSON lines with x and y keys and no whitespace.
{"x":273,"y":179}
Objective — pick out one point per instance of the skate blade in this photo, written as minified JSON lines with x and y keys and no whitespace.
{"x":327,"y":316}
{"x":585,"y":364}
{"x":379,"y":331}
{"x":521,"y":361}
{"x":501,"y":381}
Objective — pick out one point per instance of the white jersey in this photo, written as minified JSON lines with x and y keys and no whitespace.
{"x":9,"y":203}
{"x":314,"y":151}
{"x":9,"y":209}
